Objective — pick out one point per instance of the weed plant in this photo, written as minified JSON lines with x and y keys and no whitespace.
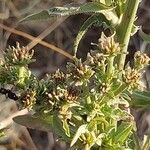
{"x":88,"y":106}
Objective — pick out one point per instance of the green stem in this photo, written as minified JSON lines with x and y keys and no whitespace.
{"x":110,"y":67}
{"x":21,"y":74}
{"x":125,"y":27}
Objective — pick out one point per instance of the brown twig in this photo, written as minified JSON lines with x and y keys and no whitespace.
{"x":45,"y":33}
{"x":28,"y":36}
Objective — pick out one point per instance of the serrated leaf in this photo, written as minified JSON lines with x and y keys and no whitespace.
{"x":90,"y":7}
{"x":144,"y":36}
{"x":82,"y":129}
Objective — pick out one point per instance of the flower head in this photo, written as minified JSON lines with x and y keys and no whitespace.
{"x":18,"y":55}
{"x":108,"y":45}
{"x":132,"y":77}
{"x":140,"y":60}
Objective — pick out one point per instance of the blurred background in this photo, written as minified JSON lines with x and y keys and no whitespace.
{"x":58,"y":34}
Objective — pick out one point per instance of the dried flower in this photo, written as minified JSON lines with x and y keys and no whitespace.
{"x":140,"y":60}
{"x":80,"y":72}
{"x":108,"y":45}
{"x":131,"y":77}
{"x":95,"y":59}
{"x":18,"y":55}
{"x":28,"y":99}
{"x":59,"y":77}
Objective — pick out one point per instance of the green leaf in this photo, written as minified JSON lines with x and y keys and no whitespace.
{"x":120,"y":7}
{"x":58,"y":128}
{"x":84,"y":28}
{"x":66,"y":128}
{"x":122,"y":133}
{"x":95,"y":122}
{"x":46,"y":123}
{"x":140,"y":98}
{"x":34,"y":122}
{"x":82,"y":129}
{"x":94,"y":19}
{"x":90,"y":7}
{"x":120,"y":89}
{"x":43,"y":15}
{"x":144,"y":36}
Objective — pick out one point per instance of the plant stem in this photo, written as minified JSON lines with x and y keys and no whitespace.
{"x":22,"y":73}
{"x":110,"y":67}
{"x":125,"y":27}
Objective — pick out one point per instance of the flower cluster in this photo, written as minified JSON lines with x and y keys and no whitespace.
{"x":108,"y":45}
{"x":140,"y":60}
{"x":18,"y":55}
{"x":96,"y":60}
{"x":28,"y":99}
{"x":86,"y":99}
{"x":80,"y":73}
{"x":132,"y":77}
